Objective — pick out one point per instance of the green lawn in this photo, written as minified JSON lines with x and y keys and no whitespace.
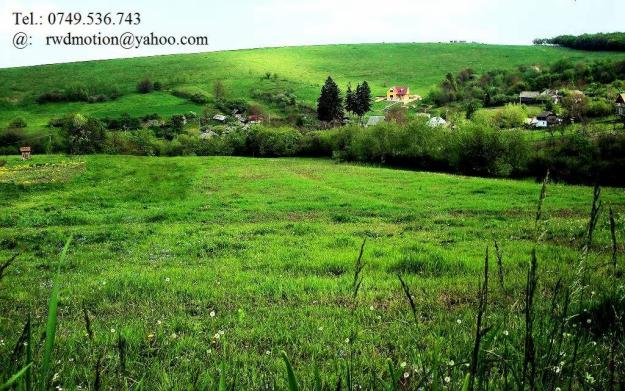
{"x":303,"y":69}
{"x":269,"y":245}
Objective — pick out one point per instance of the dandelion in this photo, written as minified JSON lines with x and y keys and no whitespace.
{"x":506,"y":333}
{"x":372,"y":308}
{"x":379,"y":317}
{"x":174,"y":336}
{"x":112,"y":330}
{"x":447,"y":379}
{"x":217,"y":336}
{"x":221,"y":332}
{"x":558,"y":389}
{"x":403,"y":364}
{"x":167,"y":279}
{"x":406,"y":374}
{"x":458,"y":321}
{"x":451,"y":363}
{"x":150,"y":336}
{"x":212,"y":314}
{"x":346,"y":340}
{"x":320,"y":328}
{"x":268,"y":352}
{"x":589,"y":321}
{"x":158,"y":322}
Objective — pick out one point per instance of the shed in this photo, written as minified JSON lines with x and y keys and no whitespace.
{"x":436,"y":122}
{"x":25,"y":151}
{"x":374,"y":120}
{"x":219,"y":117}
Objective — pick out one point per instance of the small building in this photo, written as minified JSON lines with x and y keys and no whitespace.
{"x":544,"y":120}
{"x":529,"y":97}
{"x":25,"y":151}
{"x":219,"y":117}
{"x":436,"y":122}
{"x":255,"y":119}
{"x":620,"y":105}
{"x":374,"y":120}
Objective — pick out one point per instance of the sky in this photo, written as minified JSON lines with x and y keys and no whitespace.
{"x":240,"y":24}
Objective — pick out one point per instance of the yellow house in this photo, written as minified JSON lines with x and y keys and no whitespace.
{"x":398,"y":94}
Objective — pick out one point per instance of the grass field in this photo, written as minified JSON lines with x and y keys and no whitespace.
{"x":302,"y":69}
{"x":195,"y":261}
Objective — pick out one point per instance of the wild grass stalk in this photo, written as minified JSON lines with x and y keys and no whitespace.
{"x":358,"y":267}
{"x":529,"y":356}
{"x":6,"y":264}
{"x":85,"y":316}
{"x":293,"y":385}
{"x":500,"y":271}
{"x":613,"y":240}
{"x":52,"y":320}
{"x":480,"y":332}
{"x":408,"y":295}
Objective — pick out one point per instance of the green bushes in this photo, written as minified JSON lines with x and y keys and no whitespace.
{"x":81,"y":93}
{"x":274,"y":141}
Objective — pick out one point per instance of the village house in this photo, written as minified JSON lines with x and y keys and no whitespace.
{"x":544,"y":120}
{"x":529,"y":97}
{"x":620,"y":105}
{"x":220,"y":118}
{"x":401,"y":94}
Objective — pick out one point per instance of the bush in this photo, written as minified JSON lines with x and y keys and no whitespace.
{"x":145,"y":86}
{"x":274,"y":141}
{"x":18,"y":123}
{"x":158,"y":86}
{"x":599,"y":108}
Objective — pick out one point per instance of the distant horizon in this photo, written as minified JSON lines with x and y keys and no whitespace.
{"x":252,"y":24}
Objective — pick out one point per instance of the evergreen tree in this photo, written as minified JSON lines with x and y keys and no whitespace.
{"x":363,"y":99}
{"x":330,"y":103}
{"x":350,"y":100}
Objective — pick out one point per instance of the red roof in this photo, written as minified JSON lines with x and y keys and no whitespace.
{"x":401,"y":90}
{"x":255,"y":118}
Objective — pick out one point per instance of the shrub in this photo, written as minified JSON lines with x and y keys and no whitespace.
{"x":274,"y":141}
{"x":158,"y":86}
{"x":18,"y":123}
{"x":599,"y":108}
{"x":511,"y":116}
{"x":145,"y":86}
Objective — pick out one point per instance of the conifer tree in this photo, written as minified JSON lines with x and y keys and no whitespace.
{"x":330,"y":103}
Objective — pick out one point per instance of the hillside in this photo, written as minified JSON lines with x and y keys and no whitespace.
{"x":197,"y":260}
{"x":300,"y":69}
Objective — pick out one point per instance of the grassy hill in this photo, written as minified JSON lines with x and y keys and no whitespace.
{"x":168,"y":252}
{"x":301,"y":69}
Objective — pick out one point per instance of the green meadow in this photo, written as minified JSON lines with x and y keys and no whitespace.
{"x":183,"y":265}
{"x":300,"y":69}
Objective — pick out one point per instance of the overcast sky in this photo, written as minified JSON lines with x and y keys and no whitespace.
{"x":237,"y":24}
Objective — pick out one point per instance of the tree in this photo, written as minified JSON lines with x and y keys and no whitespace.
{"x":83,"y":134}
{"x":330,"y":103}
{"x":219,"y":90}
{"x":363,"y":99}
{"x":350,"y":100}
{"x":575,"y":105}
{"x":398,"y":114}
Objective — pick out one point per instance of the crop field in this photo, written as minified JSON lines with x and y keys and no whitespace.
{"x":182,"y":270}
{"x":300,"y":69}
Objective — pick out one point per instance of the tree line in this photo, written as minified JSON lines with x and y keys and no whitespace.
{"x":331,"y":107}
{"x":595,"y":42}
